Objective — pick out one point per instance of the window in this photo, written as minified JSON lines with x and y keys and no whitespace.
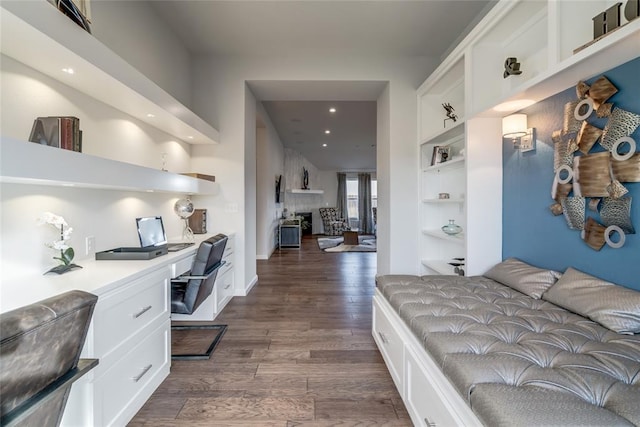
{"x":352,"y":199}
{"x":374,"y":193}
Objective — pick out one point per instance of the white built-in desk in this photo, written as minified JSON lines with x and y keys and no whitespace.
{"x":130,"y":332}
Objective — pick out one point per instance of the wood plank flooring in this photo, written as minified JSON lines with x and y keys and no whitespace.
{"x":298,"y":351}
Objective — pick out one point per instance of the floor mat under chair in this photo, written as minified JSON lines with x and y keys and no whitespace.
{"x":195,"y":342}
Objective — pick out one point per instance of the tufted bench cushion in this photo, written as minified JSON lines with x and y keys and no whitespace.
{"x":518,"y":360}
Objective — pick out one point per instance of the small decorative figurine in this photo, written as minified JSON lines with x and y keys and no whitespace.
{"x":511,"y":67}
{"x":450,"y":113}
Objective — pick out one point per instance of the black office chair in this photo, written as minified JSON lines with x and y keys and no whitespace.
{"x":189,"y":290}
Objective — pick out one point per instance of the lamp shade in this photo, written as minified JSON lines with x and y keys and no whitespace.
{"x":514,"y":126}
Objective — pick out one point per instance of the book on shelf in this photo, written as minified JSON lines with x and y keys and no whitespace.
{"x":57,"y":131}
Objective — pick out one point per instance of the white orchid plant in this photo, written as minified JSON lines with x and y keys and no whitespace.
{"x":66,"y":251}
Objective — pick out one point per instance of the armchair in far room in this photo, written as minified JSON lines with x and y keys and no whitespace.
{"x":333,"y":223}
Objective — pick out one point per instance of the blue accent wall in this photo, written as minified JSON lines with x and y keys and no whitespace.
{"x":530,"y":231}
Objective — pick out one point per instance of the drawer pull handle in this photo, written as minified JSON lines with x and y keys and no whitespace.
{"x":142,"y":374}
{"x":141,"y":312}
{"x":228,"y":286}
{"x":383,"y":337}
{"x":429,"y":423}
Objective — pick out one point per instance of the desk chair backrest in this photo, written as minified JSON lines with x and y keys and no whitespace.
{"x":187,"y":296}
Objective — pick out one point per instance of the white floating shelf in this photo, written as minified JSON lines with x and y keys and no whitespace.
{"x":439,"y":234}
{"x":455,"y":162}
{"x":29,"y":163}
{"x":38,"y":35}
{"x":443,"y":201}
{"x":439,"y":266}
{"x":445,"y":135}
{"x":301,"y":191}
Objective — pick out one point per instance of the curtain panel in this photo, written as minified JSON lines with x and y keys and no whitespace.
{"x":364,"y":203}
{"x":341,"y":203}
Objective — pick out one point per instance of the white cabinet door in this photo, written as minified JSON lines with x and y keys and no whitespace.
{"x":389,"y":343}
{"x":124,"y":388}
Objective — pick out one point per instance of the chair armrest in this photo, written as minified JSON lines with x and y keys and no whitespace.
{"x":186,"y":277}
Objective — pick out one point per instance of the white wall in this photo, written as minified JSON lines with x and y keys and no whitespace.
{"x":134,"y":31}
{"x":250,"y":191}
{"x":269,"y":164}
{"x":107,"y":215}
{"x":219,"y":93}
{"x":329,"y":183}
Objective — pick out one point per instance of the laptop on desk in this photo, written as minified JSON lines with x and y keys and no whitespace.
{"x":151,"y":234}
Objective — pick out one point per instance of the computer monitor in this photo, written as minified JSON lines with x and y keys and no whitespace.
{"x":151,"y":231}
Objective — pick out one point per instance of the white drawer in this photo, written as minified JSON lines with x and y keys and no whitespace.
{"x":389,"y":343}
{"x":125,"y":312}
{"x":125,"y":384}
{"x":423,"y":401}
{"x":181,"y":266}
{"x":228,"y":249}
{"x":224,"y":287}
{"x":228,"y":265}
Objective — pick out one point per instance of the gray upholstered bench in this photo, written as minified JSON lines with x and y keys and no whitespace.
{"x":487,"y":353}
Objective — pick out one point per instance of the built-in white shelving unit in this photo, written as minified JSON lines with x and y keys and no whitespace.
{"x":42,"y":165}
{"x":543,"y":36}
{"x":37,"y":27}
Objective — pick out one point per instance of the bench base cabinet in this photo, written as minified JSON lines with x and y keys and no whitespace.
{"x":429,"y":397}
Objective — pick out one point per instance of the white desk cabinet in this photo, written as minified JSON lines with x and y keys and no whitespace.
{"x":130,"y":335}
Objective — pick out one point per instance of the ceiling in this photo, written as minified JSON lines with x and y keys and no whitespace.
{"x":359,"y":27}
{"x":351,"y":145}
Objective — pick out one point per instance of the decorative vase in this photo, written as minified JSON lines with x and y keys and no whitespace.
{"x":452,"y":228}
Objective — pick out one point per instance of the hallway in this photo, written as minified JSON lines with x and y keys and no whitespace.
{"x":298,"y":351}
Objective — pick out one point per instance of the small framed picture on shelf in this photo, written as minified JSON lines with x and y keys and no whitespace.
{"x":440,"y":155}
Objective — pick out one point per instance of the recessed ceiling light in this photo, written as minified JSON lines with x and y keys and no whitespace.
{"x":327,"y":131}
{"x":151,"y":115}
{"x":332,"y":110}
{"x":68,"y":70}
{"x":514,"y":105}
{"x":324,"y":145}
{"x":189,"y":137}
{"x":68,"y":185}
{"x":149,"y":191}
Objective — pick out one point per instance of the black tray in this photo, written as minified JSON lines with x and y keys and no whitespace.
{"x":131,"y":253}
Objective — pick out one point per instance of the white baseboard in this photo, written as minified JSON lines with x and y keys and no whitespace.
{"x":248,"y":288}
{"x":262,"y":257}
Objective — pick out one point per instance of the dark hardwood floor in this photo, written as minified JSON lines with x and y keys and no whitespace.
{"x":298,"y":351}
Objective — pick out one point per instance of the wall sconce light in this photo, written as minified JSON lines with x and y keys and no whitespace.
{"x":515,"y":128}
